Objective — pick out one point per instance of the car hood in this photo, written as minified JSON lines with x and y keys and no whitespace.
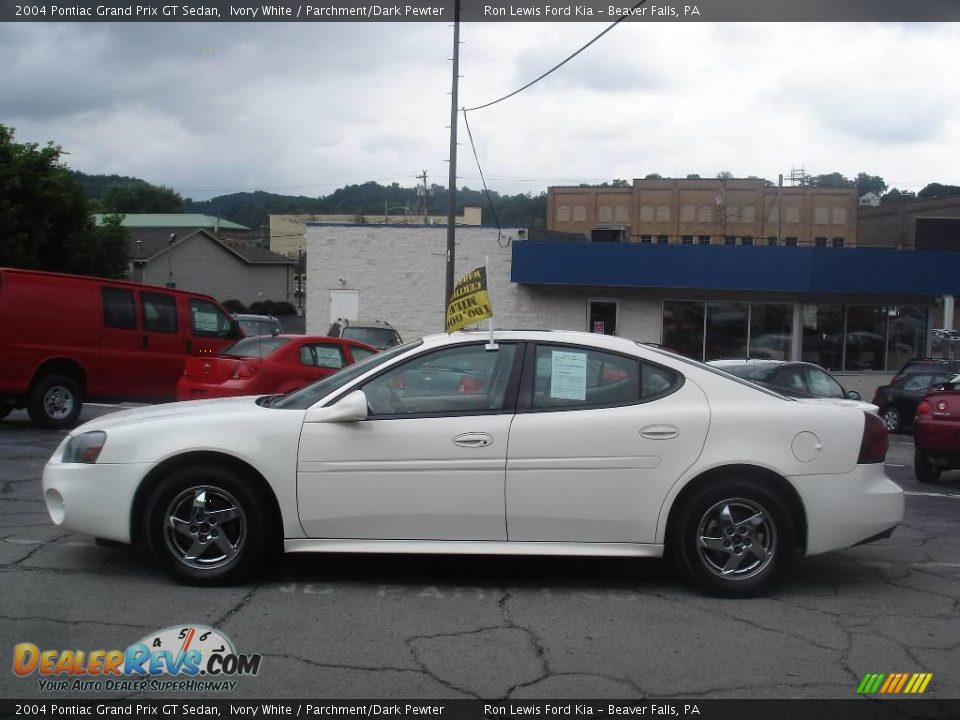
{"x":166,"y":411}
{"x":843,"y":402}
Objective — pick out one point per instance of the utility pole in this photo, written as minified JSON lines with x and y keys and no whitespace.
{"x":780,"y":210}
{"x":452,"y":182}
{"x":423,"y":198}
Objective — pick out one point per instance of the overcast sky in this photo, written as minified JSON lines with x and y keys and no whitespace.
{"x":303,"y":109}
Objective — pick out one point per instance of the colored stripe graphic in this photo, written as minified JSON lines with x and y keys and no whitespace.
{"x":894,"y":683}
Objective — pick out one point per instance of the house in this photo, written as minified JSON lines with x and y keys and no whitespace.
{"x":195,"y":259}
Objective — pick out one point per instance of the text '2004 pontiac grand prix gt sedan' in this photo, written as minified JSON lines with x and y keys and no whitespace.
{"x":544,"y":443}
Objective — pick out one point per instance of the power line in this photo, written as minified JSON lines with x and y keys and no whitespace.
{"x":558,"y":65}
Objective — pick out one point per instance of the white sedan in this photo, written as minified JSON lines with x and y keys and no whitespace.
{"x":544,"y":443}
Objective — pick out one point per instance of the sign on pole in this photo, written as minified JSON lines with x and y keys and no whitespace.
{"x":469,"y":303}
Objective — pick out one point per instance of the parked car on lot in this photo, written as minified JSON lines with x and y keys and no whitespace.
{"x":898,"y":401}
{"x":578,"y":443}
{"x":936,"y":432}
{"x":926,"y":365}
{"x":800,"y":380}
{"x":378,"y":333}
{"x":267,"y":364}
{"x":258,"y":324}
{"x":67,"y":339}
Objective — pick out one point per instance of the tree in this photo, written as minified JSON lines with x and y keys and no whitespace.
{"x":139,"y":196}
{"x":653,"y":176}
{"x":870,"y":183}
{"x":936,"y":190}
{"x":45,"y":222}
{"x":831,"y":180}
{"x":896,"y":195}
{"x":692,"y":176}
{"x":724,"y":175}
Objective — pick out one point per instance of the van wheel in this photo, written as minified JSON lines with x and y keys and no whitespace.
{"x":734,"y":538}
{"x":55,"y":402}
{"x":5,"y":409}
{"x":207,"y":525}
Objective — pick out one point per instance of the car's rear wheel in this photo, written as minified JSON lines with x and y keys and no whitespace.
{"x":55,"y":402}
{"x":925,"y":471}
{"x":734,"y":537}
{"x":891,"y":419}
{"x":208,"y":525}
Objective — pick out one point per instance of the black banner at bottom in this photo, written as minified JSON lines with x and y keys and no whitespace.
{"x":857,"y":709}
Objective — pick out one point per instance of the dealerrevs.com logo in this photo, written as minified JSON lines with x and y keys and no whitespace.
{"x":189,"y":658}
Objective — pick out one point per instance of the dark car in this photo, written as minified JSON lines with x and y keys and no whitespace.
{"x":378,"y":333}
{"x":898,"y":401}
{"x":936,"y":434}
{"x":793,"y":379}
{"x":253,"y":325}
{"x":912,"y":367}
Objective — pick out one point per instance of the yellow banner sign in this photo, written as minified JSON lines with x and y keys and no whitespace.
{"x":470,"y":302}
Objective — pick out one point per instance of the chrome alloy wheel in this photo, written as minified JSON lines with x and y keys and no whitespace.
{"x":736,"y":539}
{"x":205,"y":527}
{"x":58,"y":402}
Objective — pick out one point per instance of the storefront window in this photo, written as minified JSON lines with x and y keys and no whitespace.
{"x":726,"y":330}
{"x":866,"y":335}
{"x":771,"y":331}
{"x":906,"y":335}
{"x":823,"y":335}
{"x":683,"y":327}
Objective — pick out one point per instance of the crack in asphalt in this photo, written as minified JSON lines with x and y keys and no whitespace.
{"x":240,"y":605}
{"x":76,"y":621}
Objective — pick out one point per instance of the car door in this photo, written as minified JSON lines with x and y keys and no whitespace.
{"x":598,"y":440}
{"x":429,"y":461}
{"x":162,"y":358}
{"x":120,"y":345}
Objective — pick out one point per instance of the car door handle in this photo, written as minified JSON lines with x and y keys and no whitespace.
{"x":473,"y":439}
{"x":659,"y":432}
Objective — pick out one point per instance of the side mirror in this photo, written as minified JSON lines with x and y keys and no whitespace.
{"x":853,"y":395}
{"x":351,"y":408}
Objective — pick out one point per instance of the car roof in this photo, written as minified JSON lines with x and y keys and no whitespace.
{"x":248,"y":316}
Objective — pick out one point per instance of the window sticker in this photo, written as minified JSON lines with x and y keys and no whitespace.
{"x":204,"y":321}
{"x":568,"y":376}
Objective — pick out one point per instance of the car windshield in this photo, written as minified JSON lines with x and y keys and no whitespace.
{"x":306,"y":396}
{"x":259,"y":346}
{"x":376,"y":336}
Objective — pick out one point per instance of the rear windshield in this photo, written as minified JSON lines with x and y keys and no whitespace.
{"x":378,"y":337}
{"x":259,"y":327}
{"x":749,"y":372}
{"x":259,"y":346}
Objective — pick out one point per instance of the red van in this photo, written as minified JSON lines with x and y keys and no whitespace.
{"x":65,"y":339}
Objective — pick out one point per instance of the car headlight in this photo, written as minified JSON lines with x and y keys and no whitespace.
{"x":84,"y":448}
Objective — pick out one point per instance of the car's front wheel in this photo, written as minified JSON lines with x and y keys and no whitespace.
{"x":208,"y":525}
{"x":891,"y":419}
{"x":734,"y":537}
{"x":925,"y":471}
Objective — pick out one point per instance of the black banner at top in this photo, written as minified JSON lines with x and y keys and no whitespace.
{"x":600,"y":11}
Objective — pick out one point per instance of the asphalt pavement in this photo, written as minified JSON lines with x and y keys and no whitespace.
{"x":356,"y":626}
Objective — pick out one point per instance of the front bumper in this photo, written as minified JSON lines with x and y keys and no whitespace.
{"x":93,"y":499}
{"x":845,"y":510}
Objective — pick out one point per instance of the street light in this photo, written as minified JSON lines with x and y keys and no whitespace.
{"x":170,"y":242}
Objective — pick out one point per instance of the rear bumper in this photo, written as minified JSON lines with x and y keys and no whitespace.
{"x":187,"y":390}
{"x":846,"y":510}
{"x":938,"y":437}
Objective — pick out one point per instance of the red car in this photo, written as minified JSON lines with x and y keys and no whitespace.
{"x":267,"y":365}
{"x":936,"y":432}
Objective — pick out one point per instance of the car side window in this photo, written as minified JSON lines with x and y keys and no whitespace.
{"x":792,"y":379}
{"x":572,"y":378}
{"x":119,"y":310}
{"x":208,"y":320}
{"x":360,"y":353}
{"x":462,"y":379}
{"x":322,"y":355}
{"x":159,"y":312}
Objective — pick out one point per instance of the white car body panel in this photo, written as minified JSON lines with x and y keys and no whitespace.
{"x":403,"y":478}
{"x":559,"y":482}
{"x":592,"y":475}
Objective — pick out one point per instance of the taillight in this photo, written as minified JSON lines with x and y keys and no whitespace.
{"x":924,"y":408}
{"x":242,"y":371}
{"x":894,"y":380}
{"x":469,"y":385}
{"x":875,"y":442}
